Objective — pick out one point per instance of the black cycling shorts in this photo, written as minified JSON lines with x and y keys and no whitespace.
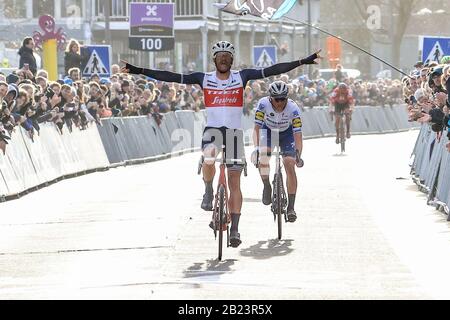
{"x":233,"y":140}
{"x":341,"y":107}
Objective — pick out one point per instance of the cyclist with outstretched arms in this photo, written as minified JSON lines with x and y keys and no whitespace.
{"x":278,"y":115}
{"x":224,"y":101}
{"x":341,"y":99}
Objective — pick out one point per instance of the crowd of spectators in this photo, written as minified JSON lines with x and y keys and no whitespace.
{"x":28,"y":98}
{"x":426,"y":92}
{"x":309,"y":93}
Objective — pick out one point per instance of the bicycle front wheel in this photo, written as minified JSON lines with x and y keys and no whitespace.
{"x":342,"y":134}
{"x":222,"y":218}
{"x":279,"y":204}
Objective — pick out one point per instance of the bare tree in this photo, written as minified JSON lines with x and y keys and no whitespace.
{"x":399,"y":13}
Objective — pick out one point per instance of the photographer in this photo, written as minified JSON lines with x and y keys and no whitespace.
{"x":3,"y":137}
{"x":21,"y":111}
{"x":53,"y":114}
{"x":95,"y":100}
{"x":115,"y":102}
{"x":27,"y":59}
{"x":69,"y":105}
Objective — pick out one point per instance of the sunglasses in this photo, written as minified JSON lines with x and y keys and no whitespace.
{"x":280,"y":99}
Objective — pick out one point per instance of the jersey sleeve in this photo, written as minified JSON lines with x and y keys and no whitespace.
{"x":333,"y":97}
{"x":260,"y":114}
{"x":276,"y":69}
{"x":167,"y":76}
{"x":297,"y":123}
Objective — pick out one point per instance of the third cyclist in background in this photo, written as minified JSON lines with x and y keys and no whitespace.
{"x":342,"y":101}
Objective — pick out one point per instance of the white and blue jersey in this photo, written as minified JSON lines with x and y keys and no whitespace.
{"x":286,"y":123}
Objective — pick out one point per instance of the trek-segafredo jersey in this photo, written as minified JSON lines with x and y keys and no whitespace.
{"x":266,"y":115}
{"x":224,"y":100}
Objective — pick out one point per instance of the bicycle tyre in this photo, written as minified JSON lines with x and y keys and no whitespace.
{"x":342,"y":133}
{"x":221,"y":218}
{"x":279,"y":209}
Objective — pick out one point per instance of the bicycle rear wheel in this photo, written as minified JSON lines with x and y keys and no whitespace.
{"x":279,"y":205}
{"x":222,"y":218}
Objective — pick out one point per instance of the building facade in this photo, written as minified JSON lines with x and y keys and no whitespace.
{"x":196,"y":29}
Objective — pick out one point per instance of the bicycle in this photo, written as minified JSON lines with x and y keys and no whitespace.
{"x":279,"y":197}
{"x":221,"y":217}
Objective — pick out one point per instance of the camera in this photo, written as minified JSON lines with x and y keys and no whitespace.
{"x":38,"y":97}
{"x":49,"y":93}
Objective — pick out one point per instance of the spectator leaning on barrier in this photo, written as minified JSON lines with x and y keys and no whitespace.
{"x":427,"y":94}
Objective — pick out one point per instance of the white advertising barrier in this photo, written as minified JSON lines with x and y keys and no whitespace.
{"x":12,"y":180}
{"x":28,"y":164}
{"x":23,"y":172}
{"x":3,"y":186}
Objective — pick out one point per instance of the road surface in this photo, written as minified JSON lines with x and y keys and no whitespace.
{"x":364,"y":232}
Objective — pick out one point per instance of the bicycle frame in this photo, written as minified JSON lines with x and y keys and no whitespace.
{"x":279,"y":198}
{"x":222,"y":221}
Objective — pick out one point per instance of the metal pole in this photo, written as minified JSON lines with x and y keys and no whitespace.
{"x":221,"y":27}
{"x":309,"y":36}
{"x":107,"y":10}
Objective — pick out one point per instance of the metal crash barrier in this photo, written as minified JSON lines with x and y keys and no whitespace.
{"x":430,"y":168}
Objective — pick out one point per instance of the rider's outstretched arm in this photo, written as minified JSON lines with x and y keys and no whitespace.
{"x":279,"y":68}
{"x":167,"y":76}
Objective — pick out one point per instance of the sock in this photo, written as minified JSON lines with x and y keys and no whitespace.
{"x":209,"y":187}
{"x":266,"y":183}
{"x":291,"y":201}
{"x":235,"y":221}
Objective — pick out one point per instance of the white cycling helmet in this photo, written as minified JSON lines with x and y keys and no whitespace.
{"x":223,"y":46}
{"x":279,"y":89}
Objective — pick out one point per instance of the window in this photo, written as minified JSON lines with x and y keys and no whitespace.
{"x":42,"y":7}
{"x":189,"y":7}
{"x":119,"y":8}
{"x":14,"y":9}
{"x":71,"y":8}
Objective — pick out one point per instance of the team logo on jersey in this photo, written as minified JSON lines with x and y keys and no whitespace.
{"x":259,"y":115}
{"x":297,"y":123}
{"x":224,"y":98}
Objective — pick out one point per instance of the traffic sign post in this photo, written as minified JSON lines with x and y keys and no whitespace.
{"x":264,"y":56}
{"x":152,"y":26}
{"x":99,"y":61}
{"x":434,"y":48}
